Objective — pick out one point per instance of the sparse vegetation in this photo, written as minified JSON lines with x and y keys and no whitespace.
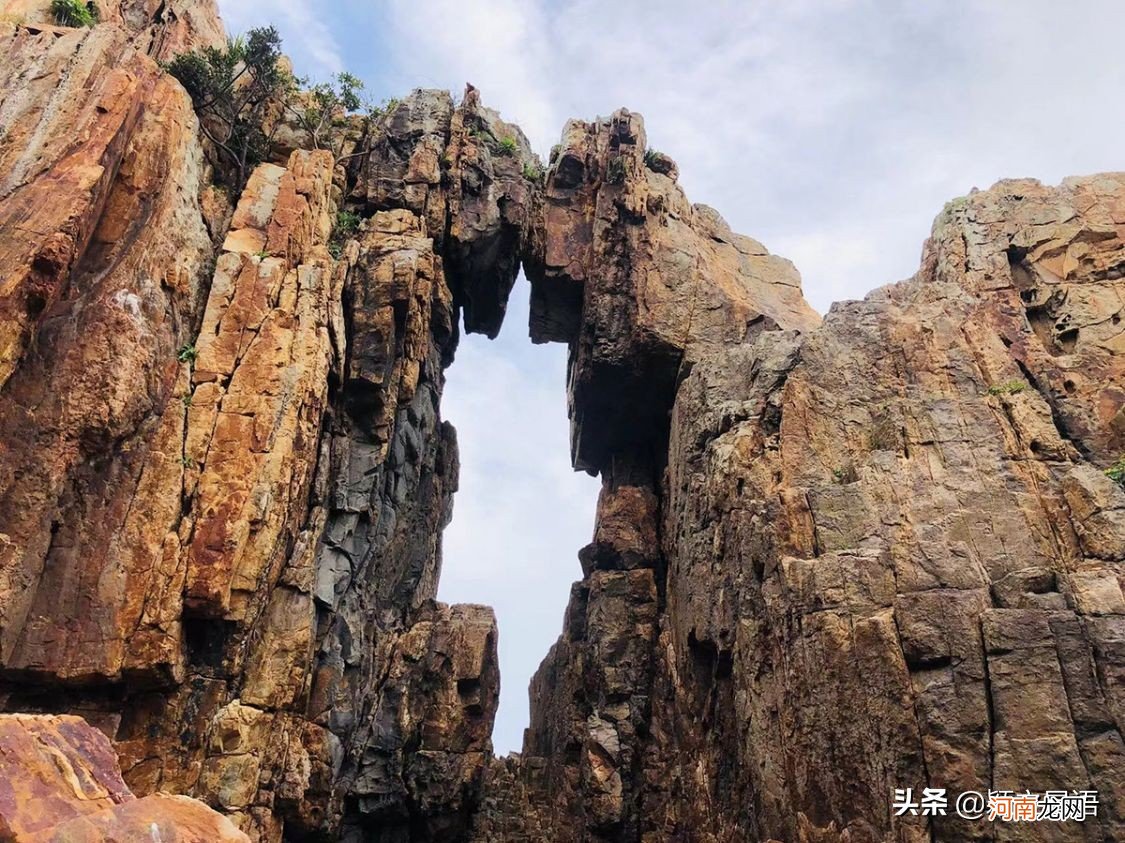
{"x":532,"y":173}
{"x":507,"y":146}
{"x":347,"y":224}
{"x":233,"y":90}
{"x":187,"y":354}
{"x":326,"y":111}
{"x":346,"y":227}
{"x":186,"y":399}
{"x":74,"y":13}
{"x":845,"y":474}
{"x":187,"y":462}
{"x":1116,"y":472}
{"x":556,"y":151}
{"x":658,"y":162}
{"x":386,"y":107}
{"x":238,"y":91}
{"x":615,"y":172}
{"x":1012,"y":387}
{"x":322,"y":110}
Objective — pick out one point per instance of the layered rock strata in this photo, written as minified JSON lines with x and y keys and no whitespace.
{"x":830,"y":559}
{"x":225,"y":468}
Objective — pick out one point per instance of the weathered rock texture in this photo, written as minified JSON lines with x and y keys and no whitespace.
{"x":225,"y":471}
{"x":160,"y":28}
{"x":59,"y":783}
{"x":873,"y":554}
{"x":830,"y":559}
{"x":105,"y":254}
{"x":641,"y":284}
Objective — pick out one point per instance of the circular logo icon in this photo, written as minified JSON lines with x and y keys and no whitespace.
{"x":971,"y":805}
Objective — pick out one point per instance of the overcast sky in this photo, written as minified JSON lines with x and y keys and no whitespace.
{"x":832,"y":131}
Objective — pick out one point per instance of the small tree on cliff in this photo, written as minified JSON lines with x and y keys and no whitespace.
{"x":329,"y":112}
{"x":234,"y":91}
{"x":322,"y":109}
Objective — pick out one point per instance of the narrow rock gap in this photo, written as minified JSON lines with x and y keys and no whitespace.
{"x":521,"y":512}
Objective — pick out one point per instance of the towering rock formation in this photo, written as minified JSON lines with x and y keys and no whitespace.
{"x":225,"y":471}
{"x":831,"y":559}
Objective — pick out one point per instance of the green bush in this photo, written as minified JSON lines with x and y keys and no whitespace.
{"x":233,"y":90}
{"x":1116,"y":472}
{"x":346,"y":227}
{"x":1008,"y":388}
{"x":74,"y":13}
{"x":508,"y":146}
{"x":347,"y":224}
{"x":532,"y":173}
{"x":187,"y":354}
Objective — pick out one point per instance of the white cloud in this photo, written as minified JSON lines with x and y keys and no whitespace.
{"x":500,"y":46}
{"x":307,"y":37}
{"x":521,"y":513}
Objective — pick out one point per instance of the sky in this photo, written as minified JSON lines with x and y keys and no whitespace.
{"x":831,"y":131}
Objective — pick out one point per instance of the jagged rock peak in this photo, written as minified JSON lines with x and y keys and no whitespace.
{"x":830,"y":559}
{"x":473,"y":178}
{"x":888,"y":557}
{"x":640,"y":283}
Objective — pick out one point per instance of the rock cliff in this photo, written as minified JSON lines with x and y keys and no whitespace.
{"x":225,"y":468}
{"x":831,"y":558}
{"x":60,"y":784}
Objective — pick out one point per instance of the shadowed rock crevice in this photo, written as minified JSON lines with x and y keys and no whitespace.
{"x":830,"y":559}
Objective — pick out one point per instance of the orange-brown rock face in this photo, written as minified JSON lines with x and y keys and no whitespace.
{"x":225,"y":471}
{"x":914,"y":592}
{"x":59,"y":782}
{"x":105,"y":255}
{"x":159,"y":28}
{"x":830,"y":559}
{"x":641,"y":283}
{"x":643,"y":286}
{"x":888,"y":554}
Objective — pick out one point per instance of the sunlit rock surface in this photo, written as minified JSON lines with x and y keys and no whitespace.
{"x":831,"y":558}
